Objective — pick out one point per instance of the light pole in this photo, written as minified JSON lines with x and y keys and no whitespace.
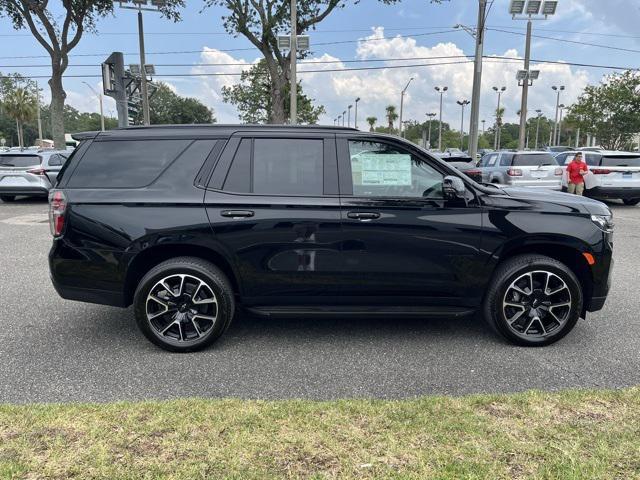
{"x":540,"y":10}
{"x":483,"y":122}
{"x":99,"y":95}
{"x":561,"y":107}
{"x":338,"y":119}
{"x":539,"y":112}
{"x":496,"y":139}
{"x":462,"y":103}
{"x":343,"y":115}
{"x":404,"y":90}
{"x":349,"y":115}
{"x":477,"y":79}
{"x":294,"y":56}
{"x":555,"y":124}
{"x":355,"y":117}
{"x":38,"y":113}
{"x":441,"y":91}
{"x":430,"y":116}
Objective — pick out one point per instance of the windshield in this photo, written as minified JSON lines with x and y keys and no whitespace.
{"x":21,"y":161}
{"x":529,"y":159}
{"x":621,"y":161}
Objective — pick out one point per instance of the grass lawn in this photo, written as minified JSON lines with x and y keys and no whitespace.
{"x":566,"y":435}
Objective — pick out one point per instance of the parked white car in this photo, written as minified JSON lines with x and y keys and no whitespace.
{"x":612,"y":174}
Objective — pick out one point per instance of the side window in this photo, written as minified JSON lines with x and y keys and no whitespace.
{"x":592,"y":159}
{"x":239,"y":176}
{"x":561,"y":158}
{"x":286,"y":166}
{"x":57,"y":160}
{"x":125,"y":163}
{"x":505,"y":160}
{"x":491,"y":161}
{"x":383,"y":170}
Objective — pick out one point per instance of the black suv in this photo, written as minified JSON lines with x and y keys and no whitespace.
{"x":188,"y":223}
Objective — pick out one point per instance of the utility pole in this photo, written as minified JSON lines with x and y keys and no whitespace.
{"x":430,"y":116}
{"x":555,"y":124}
{"x":477,"y":80}
{"x":463,"y":104}
{"x":525,"y":89}
{"x":402,"y":104}
{"x":143,"y":73}
{"x":441,"y":91}
{"x":496,"y":136}
{"x":539,"y":112}
{"x":294,"y":55}
{"x":355,"y":119}
{"x":38,"y":112}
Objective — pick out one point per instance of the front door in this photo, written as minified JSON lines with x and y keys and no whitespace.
{"x":403,"y":241}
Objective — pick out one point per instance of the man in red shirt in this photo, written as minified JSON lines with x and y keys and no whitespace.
{"x":576,"y":171}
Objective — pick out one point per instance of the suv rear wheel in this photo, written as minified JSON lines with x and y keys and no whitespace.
{"x":7,"y":198}
{"x":533,"y":300}
{"x":184,"y":304}
{"x":631,"y":201}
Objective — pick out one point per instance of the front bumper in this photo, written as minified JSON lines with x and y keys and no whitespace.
{"x":622,"y":193}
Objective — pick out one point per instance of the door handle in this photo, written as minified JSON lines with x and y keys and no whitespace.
{"x":237,"y":213}
{"x":364,"y":216}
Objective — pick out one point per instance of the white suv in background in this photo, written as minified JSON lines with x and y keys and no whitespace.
{"x":613,"y":175}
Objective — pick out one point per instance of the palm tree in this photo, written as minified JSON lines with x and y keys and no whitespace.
{"x":20,"y":105}
{"x":391,"y":115}
{"x":371,"y":121}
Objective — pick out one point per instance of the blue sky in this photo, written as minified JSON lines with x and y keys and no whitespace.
{"x":612,"y":23}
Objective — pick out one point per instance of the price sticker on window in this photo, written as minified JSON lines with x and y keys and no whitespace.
{"x":381,"y":169}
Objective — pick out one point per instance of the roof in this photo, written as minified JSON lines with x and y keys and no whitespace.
{"x":205,"y":130}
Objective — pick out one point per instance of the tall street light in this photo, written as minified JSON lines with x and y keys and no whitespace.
{"x":483,"y":122}
{"x":539,"y":112}
{"x":496,"y":137}
{"x":355,"y":118}
{"x":404,"y":90}
{"x":462,"y":103}
{"x":430,"y":117}
{"x":532,"y":9}
{"x":343,"y":115}
{"x":338,"y":119}
{"x":441,"y":91}
{"x":349,"y":115}
{"x":99,"y":95}
{"x":555,"y":123}
{"x":561,"y":108}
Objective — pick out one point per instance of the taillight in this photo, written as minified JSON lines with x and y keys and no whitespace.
{"x":559,"y":172}
{"x":514,"y":172}
{"x":473,"y":172}
{"x":37,"y":171}
{"x":600,"y":171}
{"x":57,"y":207}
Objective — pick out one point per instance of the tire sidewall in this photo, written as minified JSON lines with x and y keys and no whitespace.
{"x":494,"y":305}
{"x":219,"y":286}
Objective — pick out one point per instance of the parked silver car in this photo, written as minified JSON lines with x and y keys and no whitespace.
{"x":616,"y":175}
{"x":521,"y":169}
{"x":29,"y":172}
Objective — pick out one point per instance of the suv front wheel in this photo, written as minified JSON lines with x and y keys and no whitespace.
{"x":533,"y":300}
{"x":184,"y":304}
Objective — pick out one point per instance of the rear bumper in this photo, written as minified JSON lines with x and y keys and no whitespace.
{"x":614,"y":192}
{"x":531,"y":184}
{"x":31,"y":191}
{"x":101,"y":297}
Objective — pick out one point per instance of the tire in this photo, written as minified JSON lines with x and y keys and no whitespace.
{"x":187,"y":297}
{"x":631,"y":201}
{"x":7,"y":198}
{"x":546,"y":314}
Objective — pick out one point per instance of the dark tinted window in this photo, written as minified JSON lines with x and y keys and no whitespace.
{"x":239,"y":176}
{"x":57,"y":160}
{"x":533,"y":159}
{"x":125,"y":163}
{"x":288,"y":166}
{"x":560,"y":159}
{"x":621,"y":161}
{"x":19,"y":160}
{"x":505,"y":159}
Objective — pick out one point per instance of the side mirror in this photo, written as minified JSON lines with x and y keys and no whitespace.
{"x":453,"y":187}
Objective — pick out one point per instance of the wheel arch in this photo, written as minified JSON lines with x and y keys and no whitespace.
{"x":152,"y":256}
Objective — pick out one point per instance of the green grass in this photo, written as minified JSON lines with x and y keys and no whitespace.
{"x":566,"y":435}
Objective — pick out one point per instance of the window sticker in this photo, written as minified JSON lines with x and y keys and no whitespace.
{"x":381,"y":169}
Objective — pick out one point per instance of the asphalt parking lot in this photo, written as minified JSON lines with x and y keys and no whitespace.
{"x":52,"y":350}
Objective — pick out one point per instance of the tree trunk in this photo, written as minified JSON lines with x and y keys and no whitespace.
{"x":58,"y":96}
{"x":20,"y":135}
{"x":277,"y":115}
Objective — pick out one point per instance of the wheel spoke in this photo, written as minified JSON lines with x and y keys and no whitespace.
{"x":168,"y":327}
{"x":530,"y":323}
{"x":161,"y":302}
{"x":205,"y":317}
{"x":557,"y":290}
{"x":515,"y":316}
{"x":195,"y":325}
{"x":514,"y":305}
{"x":558,"y":305}
{"x":544,"y":330}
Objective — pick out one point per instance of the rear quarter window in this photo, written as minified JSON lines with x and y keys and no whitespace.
{"x":125,"y":163}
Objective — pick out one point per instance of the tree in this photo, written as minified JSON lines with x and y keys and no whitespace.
{"x":61,"y":33}
{"x":167,"y":107}
{"x":609,"y":111}
{"x":254,"y":103}
{"x":391,"y":115}
{"x":372,"y":122}
{"x":21,"y":106}
{"x":260,"y":22}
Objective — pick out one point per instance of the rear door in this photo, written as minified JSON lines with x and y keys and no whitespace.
{"x":403,"y":242}
{"x":274,"y":209}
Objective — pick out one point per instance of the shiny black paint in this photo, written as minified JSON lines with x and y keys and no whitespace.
{"x":308,"y":251}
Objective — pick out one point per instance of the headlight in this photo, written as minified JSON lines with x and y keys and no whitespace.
{"x":603,"y":222}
